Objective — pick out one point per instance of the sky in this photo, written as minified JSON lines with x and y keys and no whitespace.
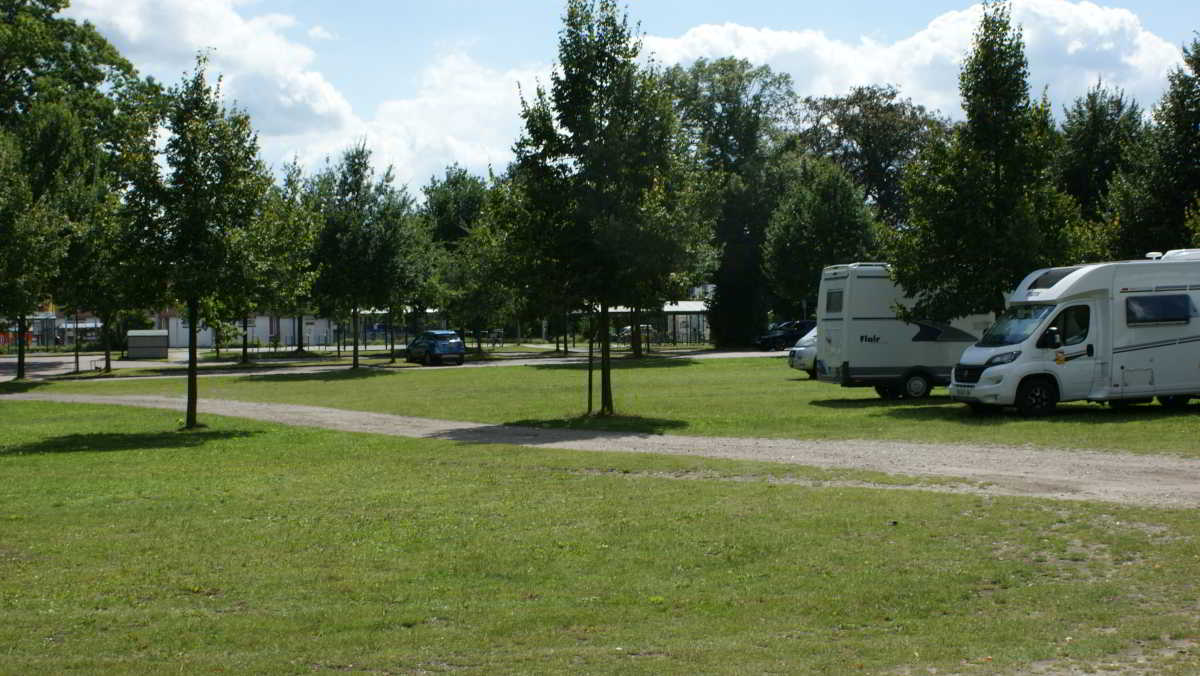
{"x":433,"y":83}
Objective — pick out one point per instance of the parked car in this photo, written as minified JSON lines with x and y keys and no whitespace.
{"x":436,"y":347}
{"x":803,"y":355}
{"x":783,"y":334}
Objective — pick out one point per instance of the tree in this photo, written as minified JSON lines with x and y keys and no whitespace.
{"x":735,"y":116}
{"x":453,"y":204}
{"x":194,"y":218}
{"x":1147,"y":206}
{"x":599,"y":165}
{"x":358,"y":210}
{"x":872,"y":134}
{"x":821,"y":220}
{"x":1098,"y":131}
{"x":982,"y":200}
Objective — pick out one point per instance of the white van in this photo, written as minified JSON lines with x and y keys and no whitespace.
{"x":1118,"y":332}
{"x":863,"y":343}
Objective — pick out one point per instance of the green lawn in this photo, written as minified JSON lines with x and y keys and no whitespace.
{"x":245,"y":547}
{"x":716,"y":397}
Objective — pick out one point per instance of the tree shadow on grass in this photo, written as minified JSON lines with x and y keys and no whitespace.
{"x":556,"y":430}
{"x":19,"y":386}
{"x":622,"y":364}
{"x":336,"y":375}
{"x":103,"y":442}
{"x":1091,"y":414}
{"x":862,"y":404}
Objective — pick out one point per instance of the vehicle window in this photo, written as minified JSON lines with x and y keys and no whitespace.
{"x":1015,"y":325}
{"x":833,"y":301}
{"x":1175,"y":308}
{"x":1073,"y":323}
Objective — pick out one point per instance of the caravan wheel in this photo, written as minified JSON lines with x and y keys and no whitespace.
{"x":916,"y":386}
{"x":888,"y":392}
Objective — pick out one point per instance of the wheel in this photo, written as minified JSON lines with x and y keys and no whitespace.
{"x":1036,"y":397}
{"x":888,"y":392}
{"x":979,"y":408}
{"x":812,"y":374}
{"x":1174,"y":400}
{"x":916,"y":386}
{"x":428,"y":360}
{"x":460,"y":361}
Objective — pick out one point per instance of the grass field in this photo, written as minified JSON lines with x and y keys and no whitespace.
{"x":245,"y":547}
{"x":716,"y":397}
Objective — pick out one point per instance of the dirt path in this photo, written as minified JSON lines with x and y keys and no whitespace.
{"x":991,"y":470}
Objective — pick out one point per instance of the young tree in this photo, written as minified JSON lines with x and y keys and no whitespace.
{"x":821,"y":220}
{"x":358,"y":210}
{"x":195,"y":217}
{"x":598,"y":162}
{"x":982,"y":199}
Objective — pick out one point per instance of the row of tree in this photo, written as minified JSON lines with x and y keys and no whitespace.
{"x":631,"y":183}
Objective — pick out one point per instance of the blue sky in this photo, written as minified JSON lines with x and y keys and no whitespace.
{"x":427,"y":84}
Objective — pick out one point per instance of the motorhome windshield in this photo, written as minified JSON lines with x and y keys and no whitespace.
{"x":1015,"y":325}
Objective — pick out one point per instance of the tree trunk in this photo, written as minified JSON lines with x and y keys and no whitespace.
{"x":77,"y":341}
{"x":635,"y":332}
{"x":107,"y":344}
{"x":20,"y":347}
{"x":299,"y":327}
{"x":245,"y":340}
{"x":591,"y":350}
{"x":193,"y":308}
{"x":606,"y":397}
{"x":354,"y":330}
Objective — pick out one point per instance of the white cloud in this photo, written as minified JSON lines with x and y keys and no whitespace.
{"x":320,"y":33}
{"x":264,"y":71}
{"x":1069,"y":46}
{"x":462,"y":112}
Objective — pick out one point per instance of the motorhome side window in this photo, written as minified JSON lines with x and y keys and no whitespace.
{"x":1073,"y":323}
{"x":833,"y":301}
{"x":1173,"y":309}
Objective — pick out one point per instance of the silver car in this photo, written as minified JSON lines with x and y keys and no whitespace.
{"x":803,"y":354}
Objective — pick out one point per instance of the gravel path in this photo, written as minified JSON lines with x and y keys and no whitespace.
{"x":991,"y":470}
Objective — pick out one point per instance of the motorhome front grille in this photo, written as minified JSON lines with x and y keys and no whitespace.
{"x":967,"y":374}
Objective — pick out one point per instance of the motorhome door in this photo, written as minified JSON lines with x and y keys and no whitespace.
{"x":1071,"y":340}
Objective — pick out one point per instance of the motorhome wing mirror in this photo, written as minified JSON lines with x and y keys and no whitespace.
{"x":1051,"y":339}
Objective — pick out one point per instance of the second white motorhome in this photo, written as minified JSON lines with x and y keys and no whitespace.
{"x":1119,"y":332}
{"x":863,"y":343}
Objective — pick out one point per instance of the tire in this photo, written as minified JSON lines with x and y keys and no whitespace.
{"x":812,"y":374}
{"x":460,"y":361}
{"x":428,"y":360}
{"x":1036,"y":397}
{"x":888,"y":392}
{"x":916,"y":386}
{"x":1174,"y":401}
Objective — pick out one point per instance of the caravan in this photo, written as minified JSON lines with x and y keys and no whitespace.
{"x":863,"y":343}
{"x":1118,"y":332}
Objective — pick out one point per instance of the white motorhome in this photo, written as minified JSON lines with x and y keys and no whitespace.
{"x":863,"y":343}
{"x":1119,"y":332}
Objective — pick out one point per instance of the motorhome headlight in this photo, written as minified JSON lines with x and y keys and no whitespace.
{"x":1003,"y":358}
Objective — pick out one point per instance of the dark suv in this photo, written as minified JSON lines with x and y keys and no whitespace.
{"x":436,"y":347}
{"x":784,"y":334}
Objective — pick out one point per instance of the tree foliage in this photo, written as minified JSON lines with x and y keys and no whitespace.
{"x":1147,"y":206}
{"x":735,"y":115}
{"x":1099,"y":130}
{"x":984,"y":211}
{"x":872,"y":134}
{"x":821,"y":220}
